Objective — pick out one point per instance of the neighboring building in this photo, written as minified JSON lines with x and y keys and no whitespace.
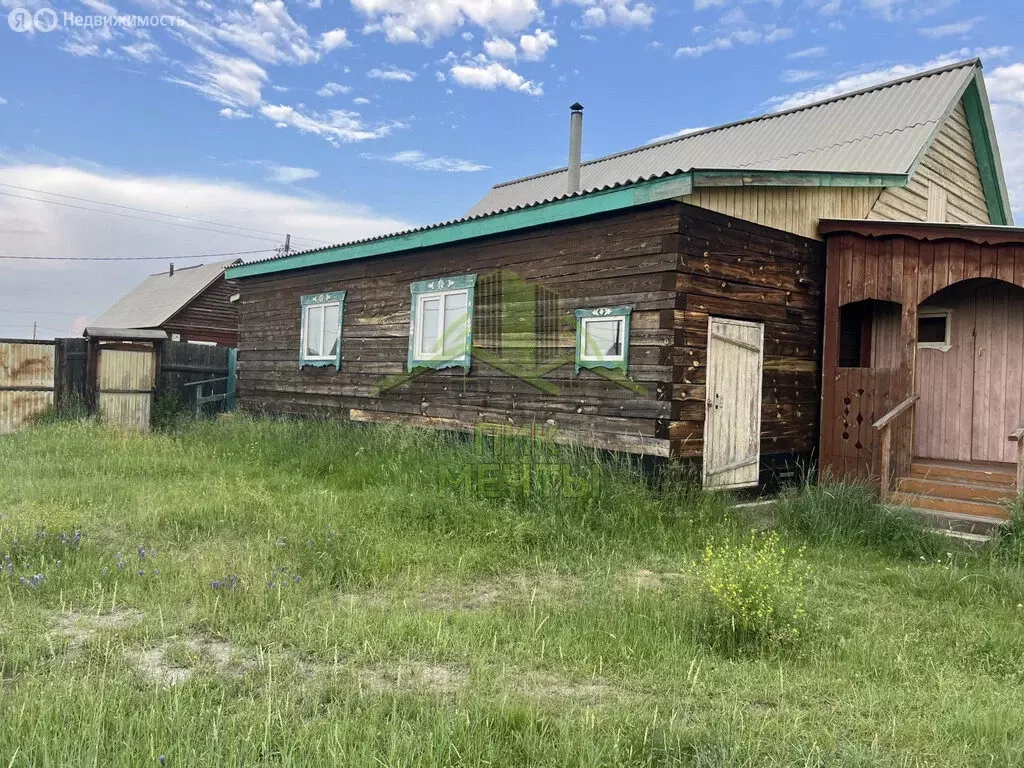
{"x":193,"y":304}
{"x":664,"y":301}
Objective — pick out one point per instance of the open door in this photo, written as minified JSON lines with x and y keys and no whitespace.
{"x":732,"y":427}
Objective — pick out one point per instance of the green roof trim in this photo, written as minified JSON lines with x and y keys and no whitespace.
{"x":593,"y":203}
{"x":986,"y":150}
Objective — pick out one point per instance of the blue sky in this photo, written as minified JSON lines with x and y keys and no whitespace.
{"x":335,"y":119}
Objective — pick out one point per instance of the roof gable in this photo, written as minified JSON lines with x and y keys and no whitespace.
{"x":879,"y":131}
{"x":159,"y":297}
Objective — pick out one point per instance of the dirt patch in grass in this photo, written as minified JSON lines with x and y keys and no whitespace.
{"x":644,"y":579}
{"x":545,"y":685}
{"x":413,"y":677}
{"x":474,"y":597}
{"x":172,"y":662}
{"x":79,"y":627}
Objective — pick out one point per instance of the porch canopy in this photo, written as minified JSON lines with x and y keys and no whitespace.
{"x":928,"y":316}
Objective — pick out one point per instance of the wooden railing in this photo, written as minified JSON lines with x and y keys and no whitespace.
{"x":1017,"y":436}
{"x":885,"y":425}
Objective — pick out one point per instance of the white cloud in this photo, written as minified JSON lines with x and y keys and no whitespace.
{"x":696,"y":51}
{"x":617,"y":13}
{"x":335,"y":38}
{"x":703,"y":5}
{"x":467,"y":36}
{"x":500,"y":48}
{"x":392,"y":73}
{"x":889,"y":10}
{"x":228,"y":80}
{"x":234,"y":114}
{"x":87,"y":288}
{"x":745,"y":34}
{"x":535,"y":47}
{"x":332,"y":89}
{"x":949,"y":30}
{"x":808,"y":53}
{"x":268,"y":33}
{"x":775,"y":34}
{"x":360,"y":100}
{"x":798,"y":75}
{"x":338,"y":126}
{"x":403,"y":21}
{"x":677,"y":134}
{"x":144,"y":50}
{"x":423,"y":162}
{"x":1007,"y":84}
{"x":287,"y":174}
{"x":2,"y":100}
{"x":494,"y":75}
{"x":1005,"y":87}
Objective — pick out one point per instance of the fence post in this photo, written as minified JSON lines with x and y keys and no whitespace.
{"x":232,"y":376}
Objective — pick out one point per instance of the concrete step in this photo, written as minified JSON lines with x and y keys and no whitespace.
{"x":949,"y":489}
{"x":959,"y":525}
{"x":961,"y":472}
{"x":952,"y":506}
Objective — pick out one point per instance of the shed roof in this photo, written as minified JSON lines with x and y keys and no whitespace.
{"x":879,"y":130}
{"x":159,"y":297}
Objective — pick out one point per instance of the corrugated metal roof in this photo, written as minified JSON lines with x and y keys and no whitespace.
{"x":157,"y":298}
{"x":879,"y":130}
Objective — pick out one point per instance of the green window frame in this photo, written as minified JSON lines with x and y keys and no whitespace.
{"x":441,"y":323}
{"x":319,"y":339}
{"x":602,"y":338}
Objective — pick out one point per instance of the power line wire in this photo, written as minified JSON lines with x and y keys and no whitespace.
{"x":145,"y":210}
{"x":140,"y":218}
{"x":135,"y":258}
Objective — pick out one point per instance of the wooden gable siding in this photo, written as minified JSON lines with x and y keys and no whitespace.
{"x":736,"y":269}
{"x":625,"y":258}
{"x":210,"y":316}
{"x":791,"y":209}
{"x":951,"y":167}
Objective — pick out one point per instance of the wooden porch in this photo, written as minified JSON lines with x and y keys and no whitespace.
{"x":923,"y":366}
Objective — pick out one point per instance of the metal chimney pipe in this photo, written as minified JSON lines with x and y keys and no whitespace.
{"x":575,"y":147}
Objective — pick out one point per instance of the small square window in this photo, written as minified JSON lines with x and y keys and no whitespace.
{"x":321,"y":329}
{"x":602,"y":338}
{"x":441,"y":332}
{"x":933,"y":329}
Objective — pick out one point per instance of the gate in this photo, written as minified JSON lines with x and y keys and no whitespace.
{"x":26,"y":382}
{"x":125,"y":385}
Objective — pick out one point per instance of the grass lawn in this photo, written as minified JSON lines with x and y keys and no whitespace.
{"x":252,"y":592}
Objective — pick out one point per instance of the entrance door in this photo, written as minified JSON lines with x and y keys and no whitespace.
{"x":972,"y":382}
{"x":126,"y":379}
{"x":732,"y":428}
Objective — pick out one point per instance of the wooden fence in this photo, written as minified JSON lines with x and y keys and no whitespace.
{"x":35,"y":375}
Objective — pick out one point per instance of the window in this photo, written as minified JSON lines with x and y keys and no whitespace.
{"x":441,"y":331}
{"x":321,"y":329}
{"x":602,"y":338}
{"x":933,"y":329}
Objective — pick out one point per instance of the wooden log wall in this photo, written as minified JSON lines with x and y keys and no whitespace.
{"x":736,"y":269}
{"x":626,"y":258}
{"x":906,"y":264}
{"x":209,"y":317}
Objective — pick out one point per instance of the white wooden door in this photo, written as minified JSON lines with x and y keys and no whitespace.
{"x":732,"y":429}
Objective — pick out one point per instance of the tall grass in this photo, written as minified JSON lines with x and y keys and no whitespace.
{"x":843,"y":514}
{"x":327,"y":594}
